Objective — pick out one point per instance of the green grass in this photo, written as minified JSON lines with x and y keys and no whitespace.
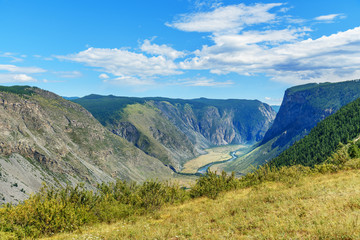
{"x":315,"y":207}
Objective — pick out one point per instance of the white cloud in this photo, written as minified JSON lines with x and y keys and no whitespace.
{"x":283,"y":55}
{"x":201,"y":4}
{"x":202,"y":82}
{"x":103,"y":76}
{"x":231,"y":18}
{"x":123,"y":63}
{"x":246,"y":39}
{"x":329,"y":17}
{"x":69,"y":74}
{"x":16,"y":78}
{"x":162,"y":50}
{"x":13,"y":56}
{"x":16,"y":69}
{"x":131,"y":81}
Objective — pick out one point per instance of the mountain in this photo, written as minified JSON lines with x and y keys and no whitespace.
{"x":45,"y":138}
{"x":175,"y":130}
{"x":302,"y":108}
{"x":324,"y":139}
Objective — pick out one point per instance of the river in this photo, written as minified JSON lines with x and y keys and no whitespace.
{"x":204,"y":169}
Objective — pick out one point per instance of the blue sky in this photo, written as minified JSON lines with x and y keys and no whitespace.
{"x":178,"y":48}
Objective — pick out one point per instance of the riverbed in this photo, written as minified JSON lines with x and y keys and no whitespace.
{"x":216,"y":155}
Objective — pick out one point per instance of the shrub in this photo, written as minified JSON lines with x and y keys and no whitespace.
{"x":211,"y":184}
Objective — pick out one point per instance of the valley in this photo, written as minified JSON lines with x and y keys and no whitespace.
{"x":216,"y":154}
{"x":180,"y":120}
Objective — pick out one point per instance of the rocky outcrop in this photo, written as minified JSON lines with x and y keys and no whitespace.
{"x":302,"y":108}
{"x":64,"y":144}
{"x":175,"y":130}
{"x":225,"y":122}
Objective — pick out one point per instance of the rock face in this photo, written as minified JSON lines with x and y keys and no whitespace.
{"x":174,"y":130}
{"x":221,"y":122}
{"x":302,"y":108}
{"x":45,"y":138}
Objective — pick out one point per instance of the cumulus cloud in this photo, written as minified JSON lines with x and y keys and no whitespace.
{"x":334,"y":57}
{"x":124,"y":63}
{"x":231,"y":18}
{"x":15,"y":74}
{"x":16,"y":69}
{"x":286,"y":54}
{"x":162,"y":50}
{"x":103,"y":76}
{"x":16,"y":78}
{"x":244,"y":39}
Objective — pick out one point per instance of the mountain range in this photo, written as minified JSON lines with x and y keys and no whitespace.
{"x":94,"y":139}
{"x":45,"y":138}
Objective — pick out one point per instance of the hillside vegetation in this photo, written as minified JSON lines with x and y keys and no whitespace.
{"x":286,"y":194}
{"x":315,"y":207}
{"x":324,"y":139}
{"x":303,"y":107}
{"x":273,"y":202}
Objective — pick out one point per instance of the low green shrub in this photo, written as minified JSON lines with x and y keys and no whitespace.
{"x":211,"y":184}
{"x":55,"y":210}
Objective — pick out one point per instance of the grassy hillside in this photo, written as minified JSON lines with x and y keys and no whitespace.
{"x":158,"y":137}
{"x":271,"y":203}
{"x":315,"y":207}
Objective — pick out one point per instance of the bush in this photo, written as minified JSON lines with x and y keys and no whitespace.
{"x":211,"y":184}
{"x":55,"y":210}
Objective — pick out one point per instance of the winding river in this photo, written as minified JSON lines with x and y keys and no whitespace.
{"x":204,"y":169}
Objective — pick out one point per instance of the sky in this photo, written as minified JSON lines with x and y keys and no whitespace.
{"x":178,"y":48}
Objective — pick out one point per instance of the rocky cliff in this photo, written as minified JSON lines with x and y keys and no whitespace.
{"x":45,"y":138}
{"x":175,"y":130}
{"x":302,"y":108}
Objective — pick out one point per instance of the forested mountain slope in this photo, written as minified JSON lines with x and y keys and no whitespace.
{"x":302,"y":108}
{"x":324,"y":139}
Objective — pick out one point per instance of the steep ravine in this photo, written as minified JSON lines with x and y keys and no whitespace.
{"x":176,"y":130}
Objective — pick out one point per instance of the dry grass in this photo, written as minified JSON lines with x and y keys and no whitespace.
{"x":215,"y":154}
{"x":316,"y":207}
